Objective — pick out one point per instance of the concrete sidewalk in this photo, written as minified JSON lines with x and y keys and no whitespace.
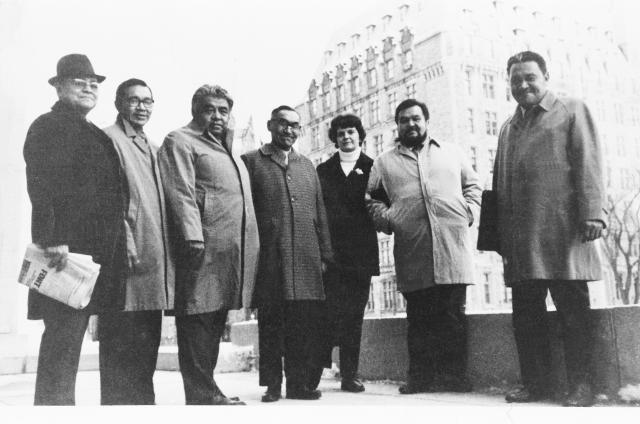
{"x":18,"y":390}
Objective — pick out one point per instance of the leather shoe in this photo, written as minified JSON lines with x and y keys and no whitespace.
{"x":581,"y":395}
{"x":352,"y":385}
{"x":223,"y":400}
{"x":524,"y":395}
{"x":303,"y":394}
{"x":413,"y":387}
{"x":273,"y":394}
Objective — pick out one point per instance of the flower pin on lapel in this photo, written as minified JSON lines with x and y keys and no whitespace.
{"x":358,"y":171}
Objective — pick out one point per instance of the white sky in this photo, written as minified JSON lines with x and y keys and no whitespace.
{"x":263,"y":52}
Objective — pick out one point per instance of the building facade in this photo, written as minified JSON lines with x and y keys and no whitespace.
{"x":452,"y":55}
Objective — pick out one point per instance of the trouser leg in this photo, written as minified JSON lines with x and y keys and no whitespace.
{"x":198,"y":346}
{"x":59,"y":354}
{"x":270,"y":339}
{"x":449,"y":331}
{"x":421,"y":361}
{"x":531,"y":332}
{"x":571,"y":299}
{"x":129,"y":343}
{"x":350,"y":345}
{"x":301,"y":341}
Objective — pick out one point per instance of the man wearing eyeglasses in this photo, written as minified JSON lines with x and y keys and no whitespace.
{"x":129,"y":340}
{"x":294,"y":250}
{"x":215,"y":235}
{"x":76,"y":190}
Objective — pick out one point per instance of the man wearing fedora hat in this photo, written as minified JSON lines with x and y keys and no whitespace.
{"x":78,"y":198}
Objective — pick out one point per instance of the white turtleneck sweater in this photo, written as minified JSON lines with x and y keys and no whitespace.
{"x":348,"y":160}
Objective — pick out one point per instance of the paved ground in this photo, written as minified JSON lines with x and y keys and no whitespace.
{"x":18,"y":390}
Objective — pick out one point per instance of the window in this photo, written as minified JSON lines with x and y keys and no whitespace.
{"x":372,"y":76}
{"x":326,"y":102}
{"x":357,"y":109}
{"x":635,"y":117}
{"x":491,"y":121}
{"x":378,"y":144}
{"x":618,"y":113}
{"x":468,"y":81}
{"x":470,"y":125}
{"x":492,"y":158}
{"x":315,"y":138}
{"x":407,"y":60}
{"x":488,"y":86}
{"x":388,"y":69}
{"x":411,"y":91}
{"x":507,"y":295}
{"x":313,"y":108}
{"x":374,"y":111}
{"x":474,"y":158}
{"x":371,"y":303}
{"x":487,"y":289}
{"x":341,"y":97}
{"x":392,"y":103}
{"x":355,"y":86}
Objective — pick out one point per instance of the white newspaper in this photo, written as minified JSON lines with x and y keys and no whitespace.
{"x":72,"y":286}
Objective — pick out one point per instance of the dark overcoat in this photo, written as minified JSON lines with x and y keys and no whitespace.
{"x":293,"y":227}
{"x":209,"y":198}
{"x":78,"y":196}
{"x":548,"y":180}
{"x":353,"y":237}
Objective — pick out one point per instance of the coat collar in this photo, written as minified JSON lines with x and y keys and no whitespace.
{"x":546,"y":103}
{"x":203,"y":133}
{"x":277,"y":155}
{"x":404,"y":150}
{"x":139,"y":139}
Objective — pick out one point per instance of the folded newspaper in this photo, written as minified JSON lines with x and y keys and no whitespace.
{"x":72,"y":286}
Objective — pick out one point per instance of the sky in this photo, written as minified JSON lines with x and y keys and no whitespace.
{"x":263,"y":52}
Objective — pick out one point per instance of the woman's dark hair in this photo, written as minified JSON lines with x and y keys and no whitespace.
{"x":346,"y":121}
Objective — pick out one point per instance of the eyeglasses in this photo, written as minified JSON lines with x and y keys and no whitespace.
{"x":135,"y":102}
{"x":286,"y":124}
{"x":81,"y":84}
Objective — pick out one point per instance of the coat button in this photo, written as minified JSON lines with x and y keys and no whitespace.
{"x":288,"y":177}
{"x":293,"y":199}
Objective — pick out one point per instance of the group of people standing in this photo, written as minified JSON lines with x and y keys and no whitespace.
{"x":197,"y":231}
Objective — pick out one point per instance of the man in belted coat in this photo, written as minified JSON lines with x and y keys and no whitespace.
{"x":78,"y":198}
{"x":550,"y":192}
{"x":295,"y":246}
{"x":214,"y":227}
{"x":431,"y":195}
{"x":129,"y":340}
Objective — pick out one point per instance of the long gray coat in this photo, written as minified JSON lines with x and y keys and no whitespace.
{"x":433,"y":197}
{"x":294,"y":231}
{"x":150,"y":283}
{"x":548,"y":179}
{"x":209,"y":196}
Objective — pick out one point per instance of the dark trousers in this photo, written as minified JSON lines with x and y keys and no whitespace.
{"x":129,"y":343}
{"x":437,"y":333}
{"x":198,"y":346}
{"x":59,"y":355}
{"x":531,"y":329}
{"x":291,"y":330}
{"x":347,"y":295}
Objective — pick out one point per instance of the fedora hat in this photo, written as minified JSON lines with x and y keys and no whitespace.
{"x":74,"y":66}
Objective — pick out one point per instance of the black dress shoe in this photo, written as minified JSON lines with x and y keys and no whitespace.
{"x":413,"y":387}
{"x":524,"y":395}
{"x":223,"y":400}
{"x":352,"y":385}
{"x":273,"y":394}
{"x":581,"y":395}
{"x":303,"y":394}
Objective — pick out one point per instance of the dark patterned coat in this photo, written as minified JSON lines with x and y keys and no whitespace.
{"x":353,"y":236}
{"x":78,"y":197}
{"x":293,"y":227}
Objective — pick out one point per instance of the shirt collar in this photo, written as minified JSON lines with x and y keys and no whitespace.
{"x":545,"y":103}
{"x":129,"y":130}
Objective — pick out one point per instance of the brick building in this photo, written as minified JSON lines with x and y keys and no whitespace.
{"x":452,"y":55}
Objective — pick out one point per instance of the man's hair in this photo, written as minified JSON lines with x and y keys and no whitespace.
{"x":275,"y":111}
{"x":209,"y":91}
{"x":122,"y":88}
{"x":346,"y":121}
{"x":527,"y":56}
{"x":406,"y":104}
